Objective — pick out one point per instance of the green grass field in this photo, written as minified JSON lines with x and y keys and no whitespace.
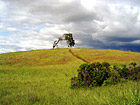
{"x":42,"y":77}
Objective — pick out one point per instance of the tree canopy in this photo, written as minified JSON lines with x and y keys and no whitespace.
{"x":68,"y":37}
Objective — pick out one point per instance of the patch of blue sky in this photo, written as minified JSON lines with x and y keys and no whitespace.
{"x":41,"y":27}
{"x":5,"y":33}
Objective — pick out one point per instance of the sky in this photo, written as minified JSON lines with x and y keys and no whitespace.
{"x":100,"y":24}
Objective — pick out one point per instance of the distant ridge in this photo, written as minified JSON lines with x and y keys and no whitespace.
{"x":67,"y":56}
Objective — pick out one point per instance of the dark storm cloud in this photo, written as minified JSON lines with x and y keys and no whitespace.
{"x":131,"y":47}
{"x":122,"y":39}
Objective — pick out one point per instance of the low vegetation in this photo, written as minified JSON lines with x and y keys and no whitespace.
{"x":97,"y":74}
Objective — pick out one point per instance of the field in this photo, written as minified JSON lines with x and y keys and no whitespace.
{"x":42,"y":77}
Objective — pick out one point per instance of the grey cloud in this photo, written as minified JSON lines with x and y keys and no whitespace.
{"x":47,"y":11}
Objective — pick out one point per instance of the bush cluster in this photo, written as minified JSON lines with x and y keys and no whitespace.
{"x":98,"y":74}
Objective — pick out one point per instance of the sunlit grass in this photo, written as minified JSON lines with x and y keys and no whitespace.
{"x":27,"y":81}
{"x":106,"y":55}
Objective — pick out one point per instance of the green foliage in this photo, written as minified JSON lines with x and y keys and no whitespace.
{"x":70,"y":40}
{"x":98,"y":74}
{"x":99,"y":77}
{"x":105,"y":64}
{"x":108,"y":81}
{"x":83,"y":66}
{"x":134,"y":64}
{"x":68,"y":37}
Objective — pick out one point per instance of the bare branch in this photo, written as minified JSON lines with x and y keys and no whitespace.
{"x":68,"y":37}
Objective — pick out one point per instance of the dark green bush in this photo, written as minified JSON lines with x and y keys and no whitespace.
{"x":109,"y":81}
{"x":98,"y":74}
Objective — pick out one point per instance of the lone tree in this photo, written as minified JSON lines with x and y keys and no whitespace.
{"x":68,"y":37}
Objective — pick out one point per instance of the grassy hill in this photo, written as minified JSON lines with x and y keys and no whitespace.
{"x":43,"y":77}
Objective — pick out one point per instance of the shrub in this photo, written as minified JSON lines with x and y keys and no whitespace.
{"x":98,"y":74}
{"x":134,"y":64}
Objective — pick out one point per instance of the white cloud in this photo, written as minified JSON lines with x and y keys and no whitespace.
{"x":1,"y":26}
{"x":11,"y":29}
{"x":136,"y":42}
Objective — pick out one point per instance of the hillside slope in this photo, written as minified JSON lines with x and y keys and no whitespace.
{"x":38,"y":58}
{"x":63,"y":57}
{"x":107,"y":55}
{"x":42,"y":77}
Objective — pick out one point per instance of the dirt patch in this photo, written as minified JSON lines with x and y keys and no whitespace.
{"x":78,"y":56}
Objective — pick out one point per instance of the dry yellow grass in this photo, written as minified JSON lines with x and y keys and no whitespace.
{"x":105,"y":55}
{"x":63,"y":56}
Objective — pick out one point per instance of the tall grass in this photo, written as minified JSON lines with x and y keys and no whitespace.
{"x":45,"y":86}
